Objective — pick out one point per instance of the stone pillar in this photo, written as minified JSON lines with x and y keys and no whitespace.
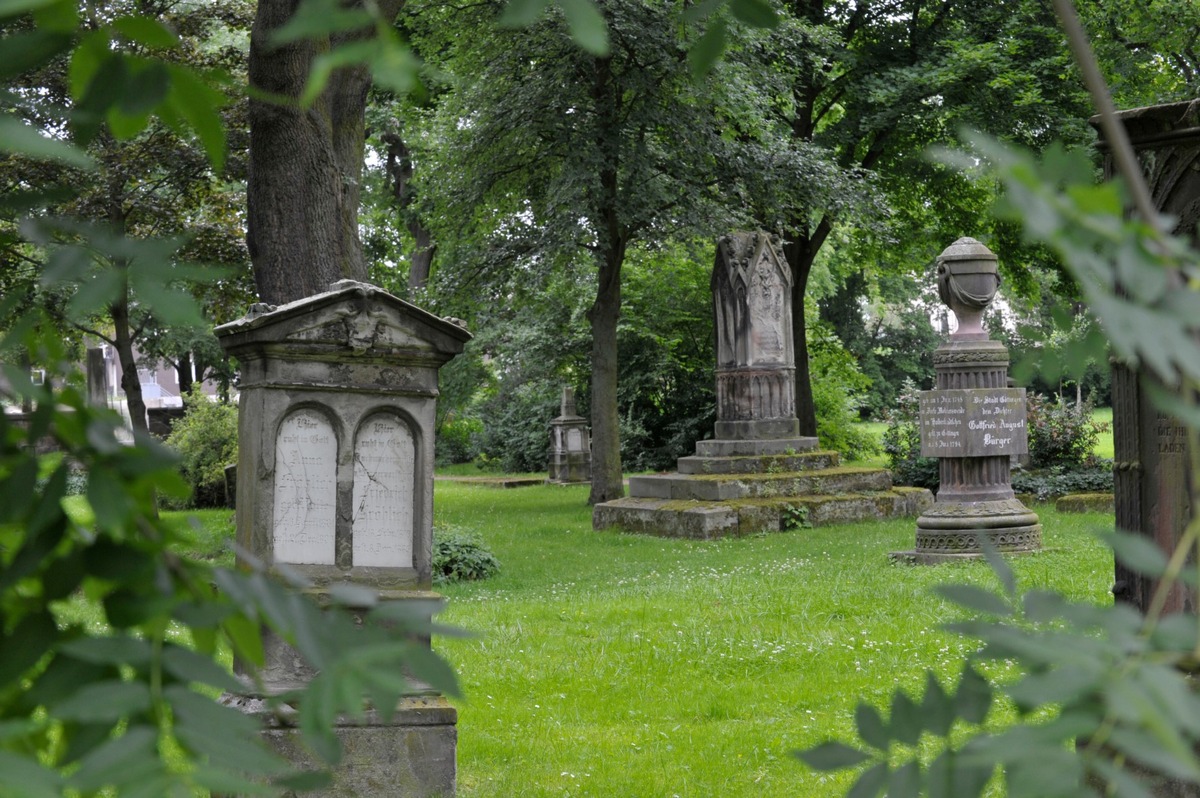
{"x":756,"y":363}
{"x":1152,"y":465}
{"x":335,"y":479}
{"x":97,"y":377}
{"x":570,"y":445}
{"x":973,"y":423}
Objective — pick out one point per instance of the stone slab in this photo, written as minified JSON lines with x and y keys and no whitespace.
{"x":412,"y":756}
{"x":693,"y":519}
{"x":733,"y":448}
{"x":1086,"y":503}
{"x":757,"y":464}
{"x":497,"y":482}
{"x":743,"y":486}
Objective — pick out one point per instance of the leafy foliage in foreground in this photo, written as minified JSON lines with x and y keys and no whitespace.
{"x":87,"y":707}
{"x":1105,"y":693}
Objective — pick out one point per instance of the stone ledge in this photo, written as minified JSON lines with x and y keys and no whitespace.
{"x":758,"y":464}
{"x":1086,"y":503}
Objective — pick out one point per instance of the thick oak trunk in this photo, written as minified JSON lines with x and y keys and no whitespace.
{"x":305,"y":164}
{"x":801,"y":250}
{"x":604,"y":314}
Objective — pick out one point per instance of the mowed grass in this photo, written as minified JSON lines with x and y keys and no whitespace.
{"x":609,"y":664}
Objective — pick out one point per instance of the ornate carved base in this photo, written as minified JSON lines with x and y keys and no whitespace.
{"x":959,"y":528}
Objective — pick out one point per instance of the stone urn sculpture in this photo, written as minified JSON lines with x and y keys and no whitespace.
{"x":967,"y":280}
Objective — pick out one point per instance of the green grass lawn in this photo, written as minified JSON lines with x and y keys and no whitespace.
{"x":609,"y":664}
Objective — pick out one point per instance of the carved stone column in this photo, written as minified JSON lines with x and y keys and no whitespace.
{"x":973,"y":423}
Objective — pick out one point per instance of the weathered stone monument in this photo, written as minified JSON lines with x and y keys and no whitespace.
{"x":1152,"y":472}
{"x":757,"y":473}
{"x":97,"y":377}
{"x":973,"y":423}
{"x":335,"y":480}
{"x":570,"y":444}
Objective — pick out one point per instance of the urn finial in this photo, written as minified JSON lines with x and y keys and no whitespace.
{"x":967,"y":280}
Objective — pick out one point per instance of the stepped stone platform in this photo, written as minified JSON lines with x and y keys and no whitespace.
{"x":743,"y":487}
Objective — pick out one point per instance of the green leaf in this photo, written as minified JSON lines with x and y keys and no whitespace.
{"x":905,"y":719}
{"x":937,"y":780}
{"x":199,"y":104}
{"x":1126,"y":784}
{"x":109,"y":650}
{"x":95,"y":294}
{"x":522,"y":13}
{"x":870,"y":783}
{"x":351,"y":595}
{"x":1138,"y":553}
{"x":26,"y":645}
{"x":905,"y":781}
{"x":145,"y":90}
{"x":587,"y":26}
{"x":30,"y":49}
{"x":246,"y":638}
{"x":754,"y":12}
{"x":18,"y":138}
{"x":973,"y":698}
{"x":975,"y":598}
{"x":106,"y":701}
{"x":871,"y":727}
{"x":222,"y":733}
{"x":707,"y":50}
{"x":305,"y":780}
{"x":936,"y":707}
{"x":26,"y":778}
{"x":832,"y":755}
{"x":188,"y":666}
{"x":146,"y":31}
{"x":433,"y":670}
{"x":124,"y":759}
{"x":316,"y":19}
{"x":62,"y":677}
{"x":219,"y":781}
{"x":17,"y":492}
{"x":701,"y":10}
{"x":15,"y":8}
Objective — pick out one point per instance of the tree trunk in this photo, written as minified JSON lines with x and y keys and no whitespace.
{"x":801,"y":250}
{"x":123,"y":343}
{"x":607,"y":479}
{"x":399,"y":167}
{"x":305,"y":164}
{"x":184,"y":370}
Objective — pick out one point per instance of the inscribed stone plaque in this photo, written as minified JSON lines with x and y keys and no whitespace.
{"x":973,"y":422}
{"x":574,"y":441}
{"x":305,"y":489}
{"x":384,"y":488}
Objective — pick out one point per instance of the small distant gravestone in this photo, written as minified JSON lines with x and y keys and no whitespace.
{"x":570,"y":445}
{"x":335,"y":479}
{"x":97,"y":378}
{"x":973,"y":423}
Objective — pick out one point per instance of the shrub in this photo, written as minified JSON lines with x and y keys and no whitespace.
{"x":458,"y":440}
{"x":838,"y":388}
{"x":206,"y":440}
{"x":1050,"y":483}
{"x":1060,"y":435}
{"x":902,"y":442}
{"x":460,"y":557}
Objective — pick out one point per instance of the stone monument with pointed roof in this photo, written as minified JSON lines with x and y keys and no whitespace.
{"x":570,"y":444}
{"x":335,"y":481}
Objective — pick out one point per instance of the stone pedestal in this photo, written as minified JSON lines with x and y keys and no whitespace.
{"x":758,"y":474}
{"x":570,"y":445}
{"x":1152,"y":471}
{"x":335,"y":479}
{"x":973,"y":423}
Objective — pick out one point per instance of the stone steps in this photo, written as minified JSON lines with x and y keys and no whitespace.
{"x":714,"y":519}
{"x":757,"y":464}
{"x":724,"y":487}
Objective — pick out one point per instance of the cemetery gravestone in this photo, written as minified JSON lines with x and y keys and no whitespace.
{"x":1152,"y":472}
{"x":335,"y":480}
{"x":973,"y":423}
{"x":570,"y":444}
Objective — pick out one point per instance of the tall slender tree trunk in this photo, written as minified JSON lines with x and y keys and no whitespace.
{"x":183,"y":369}
{"x":305,"y":163}
{"x":399,"y":167}
{"x":801,"y":251}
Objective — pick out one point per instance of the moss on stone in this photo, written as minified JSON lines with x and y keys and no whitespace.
{"x":1086,"y":503}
